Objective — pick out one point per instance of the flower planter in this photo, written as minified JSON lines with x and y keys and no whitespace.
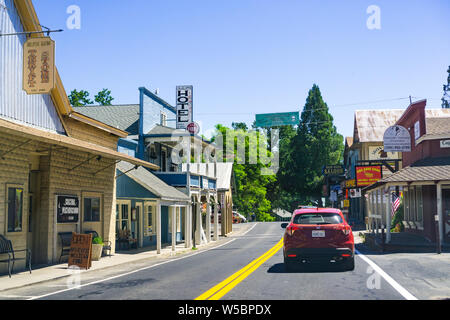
{"x":96,"y":251}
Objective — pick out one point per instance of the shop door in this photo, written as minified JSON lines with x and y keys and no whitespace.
{"x":446,"y":213}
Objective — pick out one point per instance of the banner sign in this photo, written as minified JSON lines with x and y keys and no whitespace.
{"x":333,"y":170}
{"x":397,"y":139}
{"x":67,"y":209}
{"x":38,"y":75}
{"x":277,"y":119}
{"x":367,"y":175}
{"x":184,"y":106}
{"x":80,"y":250}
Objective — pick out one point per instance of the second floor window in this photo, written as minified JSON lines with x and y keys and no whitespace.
{"x":163,"y":119}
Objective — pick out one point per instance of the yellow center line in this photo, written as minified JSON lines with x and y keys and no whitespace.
{"x":221,"y":289}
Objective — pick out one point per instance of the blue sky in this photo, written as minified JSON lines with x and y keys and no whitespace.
{"x":255,"y":56}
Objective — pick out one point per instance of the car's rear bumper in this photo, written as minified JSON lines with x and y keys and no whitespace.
{"x":318,"y":255}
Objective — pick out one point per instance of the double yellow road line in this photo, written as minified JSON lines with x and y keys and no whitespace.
{"x":218,"y":291}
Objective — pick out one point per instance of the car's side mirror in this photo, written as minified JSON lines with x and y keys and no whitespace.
{"x":284,"y":225}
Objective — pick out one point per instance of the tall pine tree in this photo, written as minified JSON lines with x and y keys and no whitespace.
{"x":315,"y":145}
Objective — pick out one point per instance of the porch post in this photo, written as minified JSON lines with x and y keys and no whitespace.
{"x":208,"y":220}
{"x":223,"y":219}
{"x":439,"y":210}
{"x":172,"y":212}
{"x":216,"y":221}
{"x":198,"y":219}
{"x":158,"y":227}
{"x":388,"y":215}
{"x":186,"y":227}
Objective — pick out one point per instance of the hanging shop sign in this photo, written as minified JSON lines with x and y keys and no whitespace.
{"x":397,"y":139}
{"x":333,"y":170}
{"x":346,"y":203}
{"x":67,"y":209}
{"x":367,"y":175}
{"x":38,"y":65}
{"x":80,"y":251}
{"x":184,"y":106}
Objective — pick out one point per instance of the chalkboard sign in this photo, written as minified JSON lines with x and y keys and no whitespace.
{"x":80,"y":250}
{"x":67,"y":209}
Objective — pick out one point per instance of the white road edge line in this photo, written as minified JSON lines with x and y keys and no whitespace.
{"x":127,"y":273}
{"x":248,"y":230}
{"x":405,"y":293}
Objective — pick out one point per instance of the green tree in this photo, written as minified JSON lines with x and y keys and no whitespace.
{"x":446,"y":97}
{"x":104,"y":97}
{"x":315,"y":144}
{"x":250,"y":182}
{"x":79,"y":98}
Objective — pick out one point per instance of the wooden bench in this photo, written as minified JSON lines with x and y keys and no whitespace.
{"x":7,"y":248}
{"x":106,"y":244}
{"x":66,"y":239}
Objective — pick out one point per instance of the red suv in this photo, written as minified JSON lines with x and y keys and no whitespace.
{"x":318,"y":235}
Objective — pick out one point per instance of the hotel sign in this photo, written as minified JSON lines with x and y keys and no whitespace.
{"x":38,"y":65}
{"x":367,"y":175}
{"x":184,"y":106}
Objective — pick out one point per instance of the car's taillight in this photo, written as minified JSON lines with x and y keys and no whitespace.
{"x":290,"y":230}
{"x":346,"y":230}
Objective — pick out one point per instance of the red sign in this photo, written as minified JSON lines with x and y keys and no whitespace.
{"x":193,"y":128}
{"x":367,"y":175}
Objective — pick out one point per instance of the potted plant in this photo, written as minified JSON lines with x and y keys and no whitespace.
{"x":97,"y":248}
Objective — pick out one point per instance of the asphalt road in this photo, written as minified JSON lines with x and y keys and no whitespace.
{"x":189,"y":276}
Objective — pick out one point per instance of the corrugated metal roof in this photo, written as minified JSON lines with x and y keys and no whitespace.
{"x":151,"y":182}
{"x":36,"y":110}
{"x":370,"y":125}
{"x":123,"y":117}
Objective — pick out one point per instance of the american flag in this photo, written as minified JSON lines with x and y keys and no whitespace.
{"x":395,"y":203}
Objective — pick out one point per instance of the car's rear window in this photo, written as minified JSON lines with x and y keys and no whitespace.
{"x":317,"y":218}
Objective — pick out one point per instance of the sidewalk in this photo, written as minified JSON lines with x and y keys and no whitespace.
{"x":48,"y":273}
{"x":402,"y":242}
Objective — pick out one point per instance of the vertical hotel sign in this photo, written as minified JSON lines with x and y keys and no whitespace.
{"x":184,"y":106}
{"x":38,"y":65}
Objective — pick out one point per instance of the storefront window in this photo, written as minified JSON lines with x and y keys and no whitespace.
{"x":125,"y":217}
{"x":15,"y":209}
{"x":91,"y":209}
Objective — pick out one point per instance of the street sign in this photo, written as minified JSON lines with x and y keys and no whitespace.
{"x":184,"y":106}
{"x":38,"y":65}
{"x":193,"y":128}
{"x":397,"y":139}
{"x":277,"y":119}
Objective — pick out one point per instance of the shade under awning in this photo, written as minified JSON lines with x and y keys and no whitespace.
{"x":65,"y":141}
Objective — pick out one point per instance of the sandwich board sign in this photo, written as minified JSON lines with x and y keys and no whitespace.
{"x":397,"y":139}
{"x":80,"y":250}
